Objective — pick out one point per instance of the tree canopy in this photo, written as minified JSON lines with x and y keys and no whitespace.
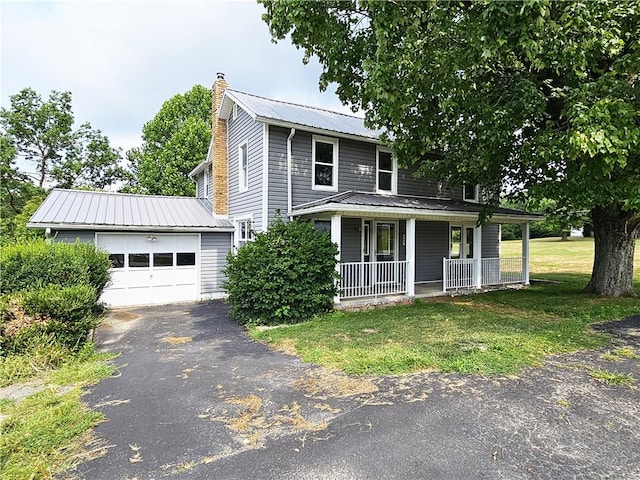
{"x":175,"y":141}
{"x":532,"y":97}
{"x":42,"y":131}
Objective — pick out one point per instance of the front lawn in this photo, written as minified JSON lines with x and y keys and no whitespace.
{"x":498,"y":332}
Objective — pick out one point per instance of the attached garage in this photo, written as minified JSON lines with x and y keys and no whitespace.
{"x":163,"y":249}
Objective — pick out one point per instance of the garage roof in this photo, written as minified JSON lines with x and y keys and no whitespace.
{"x":86,"y":210}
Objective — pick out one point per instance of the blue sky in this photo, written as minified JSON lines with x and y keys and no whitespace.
{"x":122,"y":60}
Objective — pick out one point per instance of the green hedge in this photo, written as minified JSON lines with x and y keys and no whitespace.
{"x":36,"y":264}
{"x":49,"y":293}
{"x":286,"y":275}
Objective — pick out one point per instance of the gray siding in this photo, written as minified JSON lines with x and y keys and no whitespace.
{"x":277,"y":171}
{"x":242,"y":129}
{"x":213,"y":253}
{"x":409,"y":185}
{"x":200,"y":185}
{"x":432,"y":245}
{"x":351,"y":239}
{"x":70,"y":236}
{"x":491,"y":240}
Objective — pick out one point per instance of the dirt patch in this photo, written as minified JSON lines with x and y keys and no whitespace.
{"x":120,"y":316}
{"x":323,"y":383}
{"x":171,"y":340}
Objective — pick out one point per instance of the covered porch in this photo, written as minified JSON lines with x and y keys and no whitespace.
{"x":397,"y":246}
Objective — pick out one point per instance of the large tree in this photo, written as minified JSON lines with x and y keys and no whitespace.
{"x":174,"y":142}
{"x":540,"y":96}
{"x":43,"y":132}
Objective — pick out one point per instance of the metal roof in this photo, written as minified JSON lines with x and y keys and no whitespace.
{"x":292,"y":114}
{"x":372,"y":204}
{"x":80,"y":209}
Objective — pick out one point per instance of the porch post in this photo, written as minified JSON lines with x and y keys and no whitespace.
{"x":525,"y":253}
{"x":411,"y":256}
{"x":336,"y":237}
{"x":477,"y":254}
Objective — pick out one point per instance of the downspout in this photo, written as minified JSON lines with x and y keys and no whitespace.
{"x":289,"y":167}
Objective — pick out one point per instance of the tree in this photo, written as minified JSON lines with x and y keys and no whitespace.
{"x":43,"y":132}
{"x":16,"y":191}
{"x":175,"y":141}
{"x":539,"y":95}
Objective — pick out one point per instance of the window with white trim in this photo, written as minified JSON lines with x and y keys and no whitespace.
{"x":325,"y":163}
{"x":234,"y":111}
{"x":461,"y":238}
{"x":386,"y":171}
{"x":207,"y":183}
{"x":243,"y":167}
{"x":471,"y":193}
{"x":244,"y":232}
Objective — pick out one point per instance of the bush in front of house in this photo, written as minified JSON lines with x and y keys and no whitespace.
{"x":286,"y":275}
{"x":49,"y":293}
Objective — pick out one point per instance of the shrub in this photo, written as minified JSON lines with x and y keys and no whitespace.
{"x":63,"y":313}
{"x":37,"y":264}
{"x":286,"y":275}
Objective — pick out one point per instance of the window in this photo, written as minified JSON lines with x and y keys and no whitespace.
{"x":386,"y":169}
{"x":244,"y":233}
{"x":325,"y":163}
{"x":455,"y":243}
{"x":243,"y":166}
{"x":461,"y":241}
{"x":323,"y":225}
{"x":163,"y":259}
{"x":234,"y":111}
{"x":117,"y":260}
{"x":470,"y":193}
{"x":138,"y":260}
{"x":185,"y":259}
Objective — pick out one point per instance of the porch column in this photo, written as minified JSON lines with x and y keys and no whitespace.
{"x":525,"y":253}
{"x":336,"y":237}
{"x":477,"y":256}
{"x":411,"y":256}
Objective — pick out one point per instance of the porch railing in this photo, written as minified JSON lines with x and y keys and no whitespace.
{"x":371,"y":279}
{"x":461,"y":273}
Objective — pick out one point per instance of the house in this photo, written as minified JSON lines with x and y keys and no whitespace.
{"x":397,"y":235}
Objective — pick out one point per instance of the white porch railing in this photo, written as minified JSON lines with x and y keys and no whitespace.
{"x":461,"y":273}
{"x":371,"y":279}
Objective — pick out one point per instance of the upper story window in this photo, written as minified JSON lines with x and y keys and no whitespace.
{"x":471,"y":193}
{"x":325,"y":163}
{"x":207,"y":183}
{"x":243,"y":167}
{"x":234,"y":111}
{"x":386,"y":171}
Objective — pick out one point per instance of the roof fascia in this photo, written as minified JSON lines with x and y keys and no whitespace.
{"x":228,"y":99}
{"x":319,"y":131}
{"x":127,"y":228}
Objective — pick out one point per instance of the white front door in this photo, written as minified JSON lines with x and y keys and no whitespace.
{"x":151,"y":268}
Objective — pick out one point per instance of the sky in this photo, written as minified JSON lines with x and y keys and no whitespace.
{"x":122,"y":59}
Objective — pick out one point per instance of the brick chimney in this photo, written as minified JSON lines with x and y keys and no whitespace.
{"x":219,"y":167}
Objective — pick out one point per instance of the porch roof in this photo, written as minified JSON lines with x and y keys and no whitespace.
{"x":353,"y":203}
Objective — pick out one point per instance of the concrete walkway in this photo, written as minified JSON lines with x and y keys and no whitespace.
{"x":196,"y":399}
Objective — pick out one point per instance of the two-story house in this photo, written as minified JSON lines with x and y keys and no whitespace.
{"x":397,"y":234}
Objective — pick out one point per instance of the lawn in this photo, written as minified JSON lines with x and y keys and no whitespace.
{"x":498,"y":332}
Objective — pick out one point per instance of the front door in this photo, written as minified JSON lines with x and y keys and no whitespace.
{"x":385,"y":251}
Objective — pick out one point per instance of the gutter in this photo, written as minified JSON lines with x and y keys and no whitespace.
{"x":289,"y":166}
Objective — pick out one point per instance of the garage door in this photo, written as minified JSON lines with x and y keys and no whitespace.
{"x":151,"y":268}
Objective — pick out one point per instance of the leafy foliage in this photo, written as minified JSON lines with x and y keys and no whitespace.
{"x":175,"y":141}
{"x":49,"y":293}
{"x":42,"y":131}
{"x":541,"y":96}
{"x":286,"y":275}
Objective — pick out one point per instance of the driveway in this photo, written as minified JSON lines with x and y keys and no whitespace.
{"x":194,"y":398}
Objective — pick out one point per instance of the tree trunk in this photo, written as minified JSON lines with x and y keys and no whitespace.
{"x":615,"y":232}
{"x":564,"y":236}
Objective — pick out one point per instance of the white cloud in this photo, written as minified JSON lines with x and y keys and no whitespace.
{"x":122,"y":60}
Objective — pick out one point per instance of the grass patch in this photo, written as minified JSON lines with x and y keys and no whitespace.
{"x":498,"y":332}
{"x":43,"y":434}
{"x":611,"y":378}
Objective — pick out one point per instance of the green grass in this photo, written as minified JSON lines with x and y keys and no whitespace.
{"x":611,"y":378}
{"x":43,"y":433}
{"x":498,"y":332}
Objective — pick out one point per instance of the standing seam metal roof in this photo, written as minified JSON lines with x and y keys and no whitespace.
{"x":292,"y":113}
{"x":101,"y":210}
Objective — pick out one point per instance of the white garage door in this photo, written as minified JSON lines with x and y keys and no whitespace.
{"x":151,"y":268}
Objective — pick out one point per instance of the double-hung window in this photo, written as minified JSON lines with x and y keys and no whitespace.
{"x":386,"y":171}
{"x":325,"y":163}
{"x":243,"y":167}
{"x":244,"y":233}
{"x":471,"y":193}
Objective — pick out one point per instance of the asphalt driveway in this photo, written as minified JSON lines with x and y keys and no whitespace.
{"x":194,"y":398}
